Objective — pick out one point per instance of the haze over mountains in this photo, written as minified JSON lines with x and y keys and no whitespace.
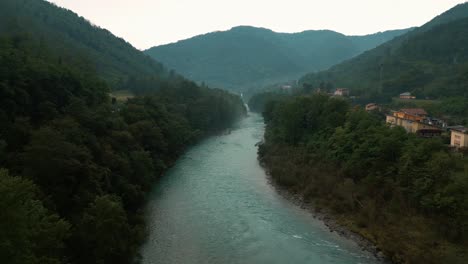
{"x":248,"y":57}
{"x":414,"y":208}
{"x":77,"y":163}
{"x":430,"y":61}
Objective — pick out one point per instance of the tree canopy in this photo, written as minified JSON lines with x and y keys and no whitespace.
{"x":248,"y":58}
{"x":430,"y":62}
{"x":403,"y":192}
{"x":76,"y":165}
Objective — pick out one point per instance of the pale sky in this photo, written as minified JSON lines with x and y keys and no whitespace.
{"x":147,"y":23}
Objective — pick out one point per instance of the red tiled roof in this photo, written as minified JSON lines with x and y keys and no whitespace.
{"x":414,"y":111}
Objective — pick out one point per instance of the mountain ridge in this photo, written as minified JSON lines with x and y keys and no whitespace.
{"x":418,"y":61}
{"x":245,"y":56}
{"x":74,"y":39}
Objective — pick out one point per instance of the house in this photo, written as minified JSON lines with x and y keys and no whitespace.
{"x":414,"y":120}
{"x":407,"y":95}
{"x":415,"y":114}
{"x":341,"y":92}
{"x":459,"y":137}
{"x":372,"y":107}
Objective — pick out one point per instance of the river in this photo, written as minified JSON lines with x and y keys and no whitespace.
{"x":216,"y":206}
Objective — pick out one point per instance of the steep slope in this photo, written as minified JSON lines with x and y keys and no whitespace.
{"x":458,"y":12}
{"x":73,"y":39}
{"x":371,"y":41}
{"x":82,"y":165}
{"x":246,"y":57}
{"x":76,"y":166}
{"x":430,"y":61}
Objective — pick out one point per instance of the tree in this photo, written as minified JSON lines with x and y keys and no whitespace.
{"x":29,"y":233}
{"x":62,"y":169}
{"x":3,"y":146}
{"x":105,"y":232}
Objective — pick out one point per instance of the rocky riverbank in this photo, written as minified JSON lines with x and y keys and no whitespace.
{"x":298,"y":199}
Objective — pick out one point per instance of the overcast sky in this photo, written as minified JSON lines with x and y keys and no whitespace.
{"x":146,"y":23}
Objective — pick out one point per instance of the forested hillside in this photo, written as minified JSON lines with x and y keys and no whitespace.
{"x":246,"y":57}
{"x":75,"y":165}
{"x":79,"y":166}
{"x":431,"y":62}
{"x":404,"y":193}
{"x":72,"y":39}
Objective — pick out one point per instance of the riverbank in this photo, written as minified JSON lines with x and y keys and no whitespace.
{"x":405,"y":194}
{"x":326,"y":217}
{"x":215,"y":205}
{"x":392,"y":233}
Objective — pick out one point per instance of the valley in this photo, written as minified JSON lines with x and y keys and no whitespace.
{"x":239,"y":146}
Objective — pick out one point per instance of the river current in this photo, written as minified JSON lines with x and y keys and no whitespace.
{"x":217,"y":206}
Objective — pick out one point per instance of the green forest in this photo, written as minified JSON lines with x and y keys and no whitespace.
{"x":404,"y":193}
{"x":74,"y":40}
{"x":79,"y":166}
{"x":248,"y":58}
{"x":418,"y":62}
{"x":75,"y":164}
{"x":430,"y":62}
{"x":89,"y":124}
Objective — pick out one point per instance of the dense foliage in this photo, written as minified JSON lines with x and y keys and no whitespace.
{"x":430,"y":61}
{"x":244,"y":58}
{"x":407,"y":194}
{"x":77,"y":165}
{"x":74,"y":40}
{"x":259,"y":101}
{"x":37,"y":235}
{"x":83,"y":165}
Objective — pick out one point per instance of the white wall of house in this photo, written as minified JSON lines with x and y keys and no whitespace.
{"x":459,"y":139}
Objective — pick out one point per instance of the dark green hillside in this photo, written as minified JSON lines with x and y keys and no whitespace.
{"x":230,"y":59}
{"x":431,"y":62}
{"x":371,"y":41}
{"x":404,"y":193}
{"x":72,"y":39}
{"x":458,"y":12}
{"x":246,"y":57}
{"x":75,"y":167}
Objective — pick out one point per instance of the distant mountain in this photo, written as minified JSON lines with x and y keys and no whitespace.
{"x":430,"y":61}
{"x":73,"y":39}
{"x":246,"y":57}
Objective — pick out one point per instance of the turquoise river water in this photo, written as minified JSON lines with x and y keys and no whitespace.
{"x":217,"y":206}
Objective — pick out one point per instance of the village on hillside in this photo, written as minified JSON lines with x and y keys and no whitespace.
{"x":417,"y":121}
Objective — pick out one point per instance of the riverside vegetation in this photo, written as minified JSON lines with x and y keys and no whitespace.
{"x":79,"y":167}
{"x":404,"y":193}
{"x":75,"y":165}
